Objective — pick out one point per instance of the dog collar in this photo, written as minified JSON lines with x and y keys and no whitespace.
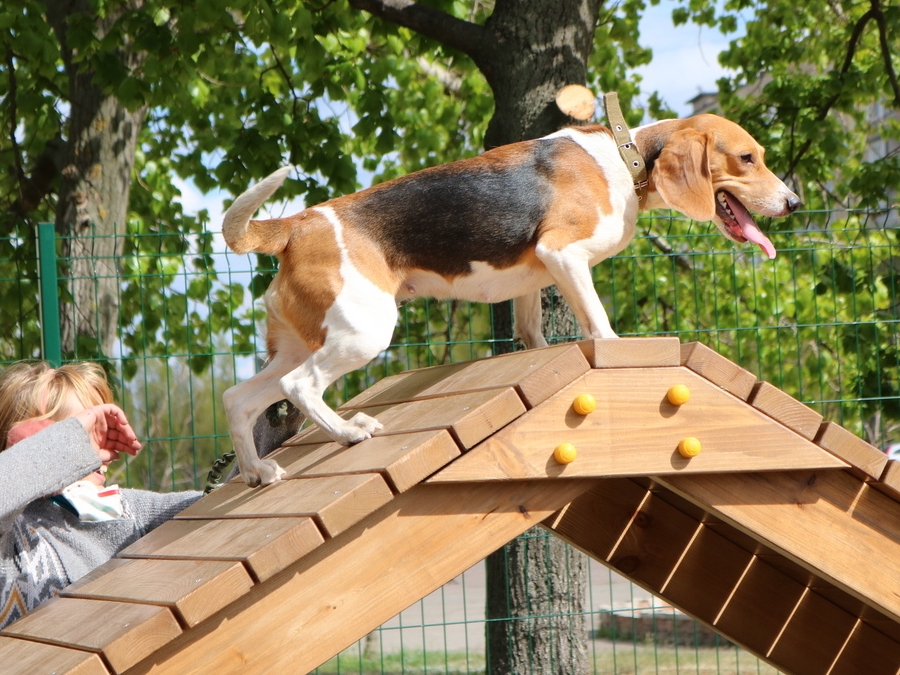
{"x":627,"y":149}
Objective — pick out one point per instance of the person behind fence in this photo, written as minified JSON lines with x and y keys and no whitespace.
{"x":60,"y":430}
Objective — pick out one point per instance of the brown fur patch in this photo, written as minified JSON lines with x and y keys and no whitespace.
{"x":580,"y":190}
{"x":308,"y":281}
{"x":366,"y":255}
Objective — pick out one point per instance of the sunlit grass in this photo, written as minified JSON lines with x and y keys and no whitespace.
{"x":609,"y":659}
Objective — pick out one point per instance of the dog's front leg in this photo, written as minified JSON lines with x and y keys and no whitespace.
{"x":527,"y":320}
{"x":571,"y":270}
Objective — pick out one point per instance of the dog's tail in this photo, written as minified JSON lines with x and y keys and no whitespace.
{"x":264,"y":236}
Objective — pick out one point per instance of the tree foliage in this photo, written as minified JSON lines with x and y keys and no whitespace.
{"x":229,"y":91}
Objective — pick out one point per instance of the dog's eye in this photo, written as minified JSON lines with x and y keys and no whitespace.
{"x":747,"y":158}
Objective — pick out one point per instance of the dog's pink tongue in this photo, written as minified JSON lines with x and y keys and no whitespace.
{"x":749,"y":228}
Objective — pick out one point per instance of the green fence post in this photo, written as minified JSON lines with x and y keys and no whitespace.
{"x":50,"y":332}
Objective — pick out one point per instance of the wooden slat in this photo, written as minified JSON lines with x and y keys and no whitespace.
{"x":265,"y":545}
{"x":653,"y":544}
{"x":761,"y":606}
{"x":122,"y":632}
{"x":336,"y":502}
{"x":648,"y":352}
{"x":797,"y":512}
{"x":813,"y":637}
{"x":192,"y":589}
{"x":352,"y":584}
{"x":403,"y":459}
{"x":865,"y":460}
{"x":712,"y":563}
{"x":597,"y":519}
{"x":789,"y":411}
{"x":635,"y":431}
{"x":889,"y":483}
{"x":718,"y":370}
{"x":868,"y":651}
{"x":536,"y":374}
{"x":470,"y":417}
{"x":23,"y":657}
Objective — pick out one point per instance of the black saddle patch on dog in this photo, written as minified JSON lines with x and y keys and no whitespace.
{"x":442,"y":219}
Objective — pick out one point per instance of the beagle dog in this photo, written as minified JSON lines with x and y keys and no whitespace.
{"x":498,"y":226}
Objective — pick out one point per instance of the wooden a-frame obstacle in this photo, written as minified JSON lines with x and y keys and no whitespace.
{"x":782,"y":534}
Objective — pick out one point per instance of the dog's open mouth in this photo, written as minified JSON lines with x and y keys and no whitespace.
{"x":739,"y":223}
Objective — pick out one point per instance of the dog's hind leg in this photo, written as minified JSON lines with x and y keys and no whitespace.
{"x":527,"y":320}
{"x":244,"y":402}
{"x":360,"y":326}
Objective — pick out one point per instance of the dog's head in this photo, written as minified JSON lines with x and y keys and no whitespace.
{"x":709,"y":168}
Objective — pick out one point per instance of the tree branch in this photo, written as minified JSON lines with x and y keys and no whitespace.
{"x":825,"y":109}
{"x":469,"y":38}
{"x":885,"y":50}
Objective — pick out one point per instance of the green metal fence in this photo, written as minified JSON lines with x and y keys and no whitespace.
{"x":820,"y":322}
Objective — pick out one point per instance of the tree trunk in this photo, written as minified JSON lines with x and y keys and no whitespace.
{"x":536,"y":584}
{"x":535,"y":597}
{"x":92,"y":210}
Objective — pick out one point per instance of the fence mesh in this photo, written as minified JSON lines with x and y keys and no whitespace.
{"x":820,"y":322}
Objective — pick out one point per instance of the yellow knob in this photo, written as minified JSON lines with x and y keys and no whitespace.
{"x":584,"y":404}
{"x":689,"y":447}
{"x":678,"y":394}
{"x":565,"y":453}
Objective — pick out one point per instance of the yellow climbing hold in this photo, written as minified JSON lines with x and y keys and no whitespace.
{"x":565,"y":453}
{"x":689,"y":447}
{"x":584,"y":404}
{"x":678,"y":394}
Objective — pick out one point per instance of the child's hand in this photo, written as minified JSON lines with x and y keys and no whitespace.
{"x":109,"y":431}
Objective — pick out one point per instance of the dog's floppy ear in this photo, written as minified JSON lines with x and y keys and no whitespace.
{"x":682,"y":177}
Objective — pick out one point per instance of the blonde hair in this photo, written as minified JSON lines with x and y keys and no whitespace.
{"x":34,"y":390}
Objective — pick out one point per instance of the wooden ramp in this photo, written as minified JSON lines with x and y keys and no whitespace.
{"x":783,"y":533}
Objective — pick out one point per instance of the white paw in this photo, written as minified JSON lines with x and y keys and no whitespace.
{"x":263,"y":472}
{"x":358,"y":428}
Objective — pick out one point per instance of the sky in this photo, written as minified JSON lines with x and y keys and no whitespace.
{"x":684,"y":64}
{"x":685,"y":58}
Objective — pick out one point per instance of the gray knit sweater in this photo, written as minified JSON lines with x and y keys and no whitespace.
{"x":44,"y":547}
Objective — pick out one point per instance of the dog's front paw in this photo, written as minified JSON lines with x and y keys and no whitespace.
{"x":358,"y":428}
{"x":262,"y":473}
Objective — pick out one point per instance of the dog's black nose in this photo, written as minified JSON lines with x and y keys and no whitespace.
{"x":793,"y":203}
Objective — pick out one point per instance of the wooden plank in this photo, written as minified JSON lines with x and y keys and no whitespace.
{"x":794,"y":511}
{"x":335,"y":502}
{"x":865,"y":460}
{"x":403,"y":459}
{"x":654,"y":542}
{"x":813,"y":637}
{"x":597,"y":519}
{"x":265,"y":545}
{"x":645,"y":352}
{"x":351,"y":584}
{"x":718,"y":370}
{"x":123,"y":633}
{"x":868,"y":651}
{"x":789,"y":411}
{"x":889,"y":483}
{"x":760,"y":607}
{"x":635,"y":431}
{"x":23,"y":657}
{"x":192,"y":589}
{"x":470,"y":417}
{"x":535,"y":374}
{"x":711,"y":563}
